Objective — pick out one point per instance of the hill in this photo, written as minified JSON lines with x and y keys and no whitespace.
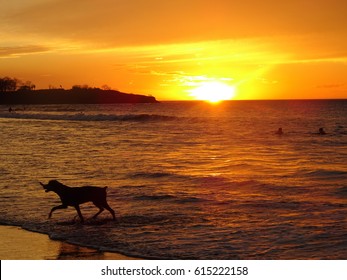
{"x":72,"y":96}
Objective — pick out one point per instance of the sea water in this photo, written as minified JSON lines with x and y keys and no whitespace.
{"x":188,"y":180}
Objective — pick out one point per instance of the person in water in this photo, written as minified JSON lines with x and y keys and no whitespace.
{"x":279,"y":131}
{"x":321,"y":131}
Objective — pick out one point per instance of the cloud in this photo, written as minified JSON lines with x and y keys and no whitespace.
{"x":6,"y":52}
{"x":172,"y":32}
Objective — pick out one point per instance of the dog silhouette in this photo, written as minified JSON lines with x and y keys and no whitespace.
{"x":74,"y":196}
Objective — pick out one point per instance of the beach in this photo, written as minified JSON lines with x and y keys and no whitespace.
{"x":19,"y":244}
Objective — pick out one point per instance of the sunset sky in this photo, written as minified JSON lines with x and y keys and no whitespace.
{"x":266,"y":49}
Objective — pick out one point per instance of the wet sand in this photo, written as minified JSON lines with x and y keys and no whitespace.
{"x":19,"y":244}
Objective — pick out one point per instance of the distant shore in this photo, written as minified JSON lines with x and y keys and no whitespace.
{"x":72,"y":96}
{"x":19,"y":244}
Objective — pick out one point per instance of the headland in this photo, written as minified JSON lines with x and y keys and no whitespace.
{"x":72,"y":96}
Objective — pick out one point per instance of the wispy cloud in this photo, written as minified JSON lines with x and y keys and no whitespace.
{"x":10,"y":52}
{"x":315,"y":30}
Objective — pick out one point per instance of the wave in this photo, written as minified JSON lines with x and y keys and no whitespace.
{"x":154,"y":197}
{"x":327,"y":174}
{"x":342,"y":192}
{"x":172,"y":198}
{"x":89,"y":117}
{"x":279,"y":205}
{"x":191,"y":199}
{"x":150,"y":175}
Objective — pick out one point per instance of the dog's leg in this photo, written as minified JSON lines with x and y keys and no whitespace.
{"x":79,"y":213}
{"x":101,"y":207}
{"x":100,"y":210}
{"x":56,"y":208}
{"x":111,"y":211}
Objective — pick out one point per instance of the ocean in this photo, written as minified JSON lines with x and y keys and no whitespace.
{"x":187,"y":180}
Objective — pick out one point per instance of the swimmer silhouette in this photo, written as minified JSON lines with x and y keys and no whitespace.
{"x":321,"y":131}
{"x":279,"y":131}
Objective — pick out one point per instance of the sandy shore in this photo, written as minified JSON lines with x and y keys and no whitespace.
{"x":19,"y":244}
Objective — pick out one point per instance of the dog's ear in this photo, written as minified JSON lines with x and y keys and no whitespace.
{"x":54,"y":182}
{"x":42,"y":184}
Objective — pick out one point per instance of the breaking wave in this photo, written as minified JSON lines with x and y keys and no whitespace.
{"x":89,"y":117}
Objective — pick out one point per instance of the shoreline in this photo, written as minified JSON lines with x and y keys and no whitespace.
{"x":17,"y":243}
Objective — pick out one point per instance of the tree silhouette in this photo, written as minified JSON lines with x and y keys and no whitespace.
{"x":27,"y":86}
{"x":8,"y":84}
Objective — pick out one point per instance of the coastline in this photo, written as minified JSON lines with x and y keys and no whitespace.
{"x":20,"y":244}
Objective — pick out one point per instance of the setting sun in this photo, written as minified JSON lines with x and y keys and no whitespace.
{"x":213,"y":92}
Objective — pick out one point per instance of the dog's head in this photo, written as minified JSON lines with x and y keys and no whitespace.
{"x":52,"y":185}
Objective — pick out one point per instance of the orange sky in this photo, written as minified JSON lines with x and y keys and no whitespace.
{"x":266,"y":49}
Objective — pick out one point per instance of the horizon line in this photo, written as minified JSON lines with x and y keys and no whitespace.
{"x":230,"y":100}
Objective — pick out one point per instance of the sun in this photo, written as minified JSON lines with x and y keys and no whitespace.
{"x":213,"y":92}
